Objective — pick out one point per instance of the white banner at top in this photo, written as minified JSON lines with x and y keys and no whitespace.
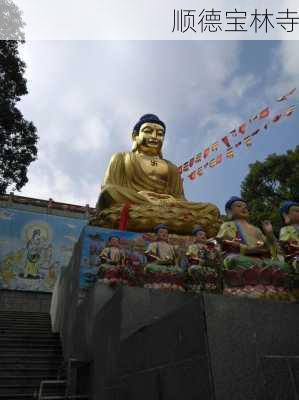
{"x":157,"y":19}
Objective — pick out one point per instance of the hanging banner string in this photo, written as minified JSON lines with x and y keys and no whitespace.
{"x":247,"y":140}
{"x":263,"y":114}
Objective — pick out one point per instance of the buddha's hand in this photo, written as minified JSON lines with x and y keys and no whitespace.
{"x":156,"y":198}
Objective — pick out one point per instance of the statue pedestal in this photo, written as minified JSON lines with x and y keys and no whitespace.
{"x":144,"y":218}
{"x":143,"y":343}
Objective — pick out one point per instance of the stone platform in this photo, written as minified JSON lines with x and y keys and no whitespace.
{"x":147,"y":344}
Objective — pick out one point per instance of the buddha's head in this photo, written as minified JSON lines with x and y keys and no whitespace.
{"x":199,"y":235}
{"x":114,"y":241}
{"x":289,"y":211}
{"x":148,"y":135}
{"x":236,"y":208}
{"x":161,"y":232}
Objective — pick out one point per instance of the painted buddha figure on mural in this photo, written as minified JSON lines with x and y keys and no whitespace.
{"x":150,"y":186}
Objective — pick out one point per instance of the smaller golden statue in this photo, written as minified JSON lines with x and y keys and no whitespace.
{"x":150,"y":187}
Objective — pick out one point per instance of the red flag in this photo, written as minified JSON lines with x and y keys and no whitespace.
{"x":192,"y":176}
{"x":242,"y":129}
{"x":226,"y":141}
{"x":206,"y":152}
{"x":191,"y":162}
{"x":264,"y":113}
{"x":218,"y":159}
{"x":180,"y":169}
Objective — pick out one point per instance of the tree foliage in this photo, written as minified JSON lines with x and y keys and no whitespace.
{"x":17,"y":135}
{"x":269,"y":183}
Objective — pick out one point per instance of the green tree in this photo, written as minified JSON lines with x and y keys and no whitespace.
{"x":269,"y":183}
{"x":17,"y":135}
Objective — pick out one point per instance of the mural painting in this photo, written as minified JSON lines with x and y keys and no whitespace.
{"x":107,"y":252}
{"x":34,"y":247}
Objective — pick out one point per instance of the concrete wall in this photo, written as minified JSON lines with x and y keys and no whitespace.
{"x":24,"y":301}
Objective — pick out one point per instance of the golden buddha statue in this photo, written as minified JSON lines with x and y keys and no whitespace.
{"x":150,"y":187}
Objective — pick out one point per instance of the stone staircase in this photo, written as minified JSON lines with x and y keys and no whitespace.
{"x":29,"y":354}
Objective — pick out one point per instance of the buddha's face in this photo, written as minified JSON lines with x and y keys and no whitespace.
{"x":239,"y":210}
{"x":200,"y":237}
{"x":150,"y":138}
{"x":162,"y":234}
{"x":293,"y":215}
{"x":114,"y":241}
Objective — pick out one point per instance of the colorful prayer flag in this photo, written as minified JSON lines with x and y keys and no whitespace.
{"x":186,"y":166}
{"x":234,"y":132}
{"x":191,"y":162}
{"x":264,"y":113}
{"x":214,"y":146}
{"x":192,"y":176}
{"x":242,"y":129}
{"x":226,"y":141}
{"x":218,"y":159}
{"x":248,"y":141}
{"x":229,"y":153}
{"x":206,"y":152}
{"x":282,"y":98}
{"x":212,"y":163}
{"x":291,"y":92}
{"x":289,"y":111}
{"x":285,"y":96}
{"x":238,"y":144}
{"x":276,"y":118}
{"x":255,"y":132}
{"x":199,"y":171}
{"x":198,"y":157}
{"x":206,"y":165}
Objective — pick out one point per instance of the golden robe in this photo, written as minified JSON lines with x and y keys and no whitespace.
{"x":126,"y":182}
{"x":153,"y":188}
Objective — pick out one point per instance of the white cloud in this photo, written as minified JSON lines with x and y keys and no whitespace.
{"x":85,"y":97}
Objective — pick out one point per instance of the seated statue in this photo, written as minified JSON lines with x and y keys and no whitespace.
{"x":201,"y":253}
{"x":149,"y":188}
{"x":112,"y":255}
{"x":289,"y":234}
{"x":204,"y":260}
{"x":245,"y":244}
{"x":160,"y":254}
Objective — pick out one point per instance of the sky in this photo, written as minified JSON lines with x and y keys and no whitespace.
{"x":85,"y":97}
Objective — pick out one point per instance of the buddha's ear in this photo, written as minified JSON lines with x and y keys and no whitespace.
{"x":134,"y":138}
{"x":134,"y":134}
{"x":286,"y":218}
